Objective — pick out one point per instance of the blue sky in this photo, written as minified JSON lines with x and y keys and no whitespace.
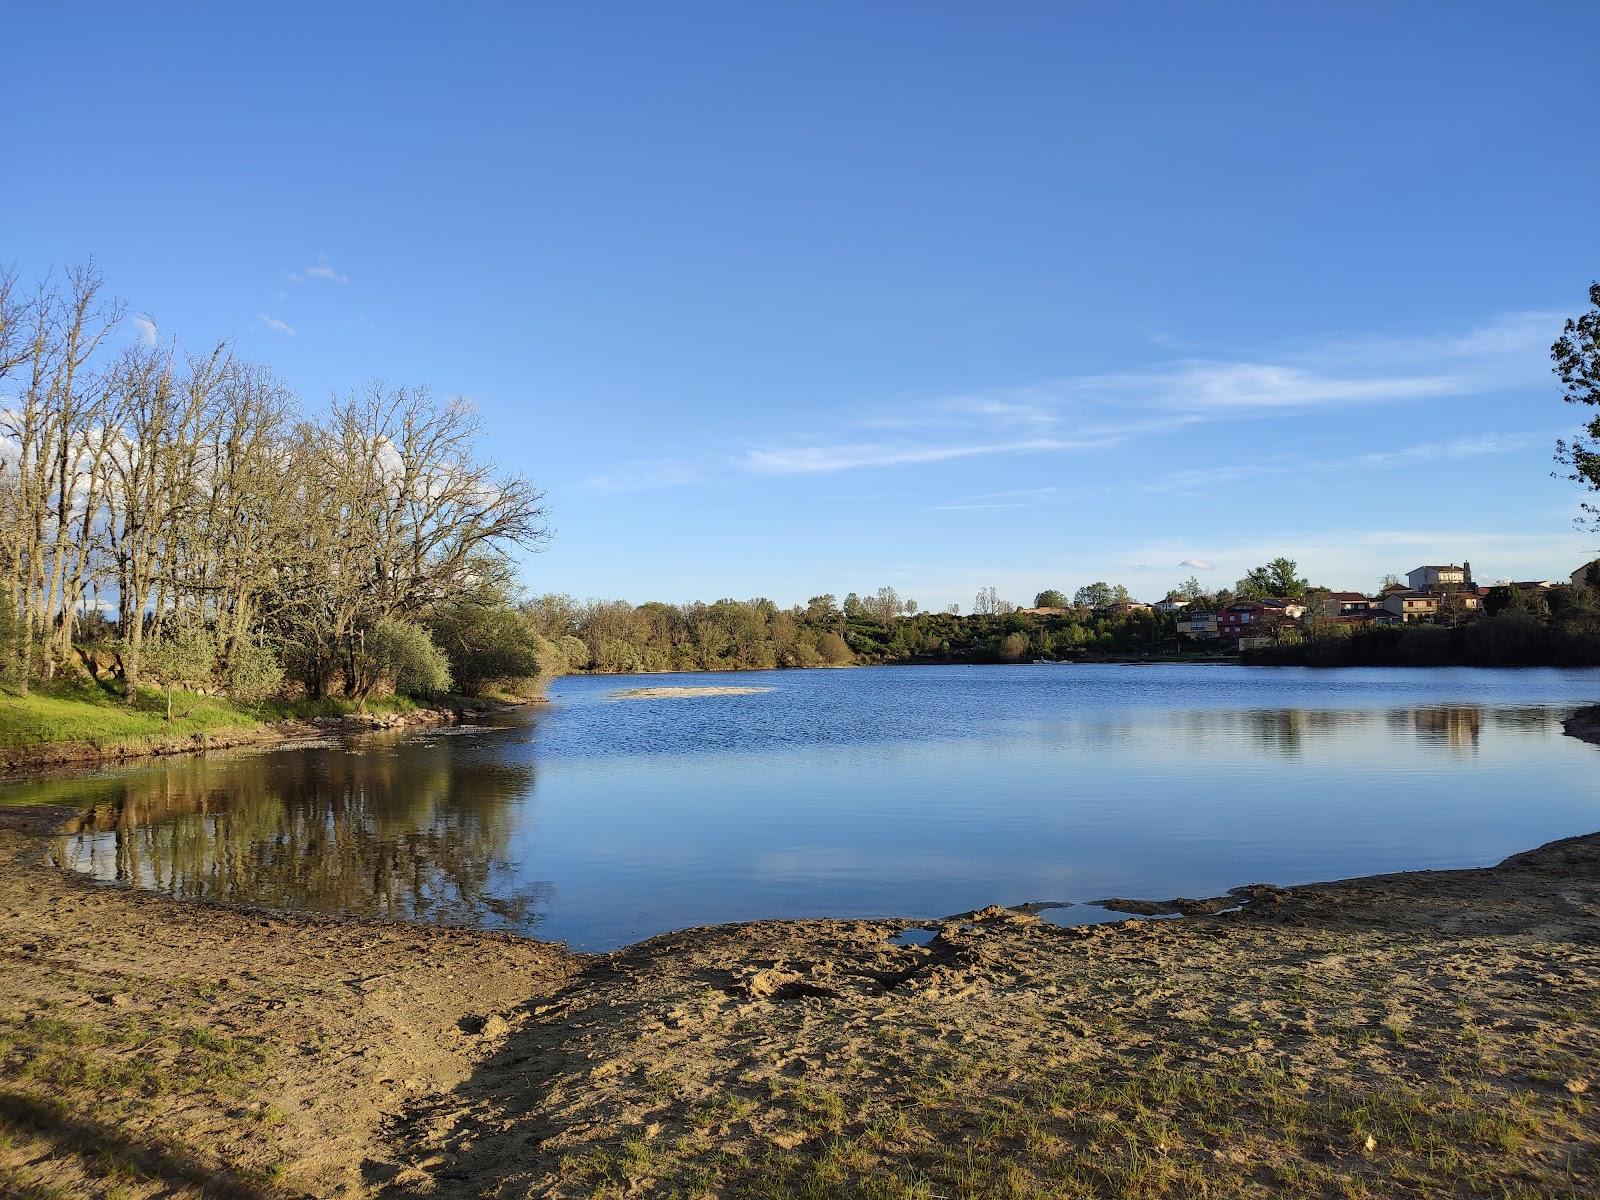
{"x":782,"y":298}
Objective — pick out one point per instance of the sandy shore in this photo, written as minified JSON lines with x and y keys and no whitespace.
{"x":1419,"y":1034}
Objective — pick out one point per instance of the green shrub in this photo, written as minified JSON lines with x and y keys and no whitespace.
{"x":404,"y":654}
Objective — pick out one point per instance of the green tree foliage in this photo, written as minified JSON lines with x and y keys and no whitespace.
{"x":612,"y":636}
{"x":1014,"y":647}
{"x":1101,"y":595}
{"x":402,"y":654}
{"x":193,"y":490}
{"x":1508,"y":598}
{"x":491,"y":643}
{"x":1277,"y":580}
{"x":1557,"y":627}
{"x":252,"y":671}
{"x":185,"y":657}
{"x":834,"y":650}
{"x":1050,"y":598}
{"x":1576,"y":359}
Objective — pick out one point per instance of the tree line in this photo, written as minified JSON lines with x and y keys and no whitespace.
{"x":177,"y":517}
{"x":619,"y":637}
{"x":1520,"y":627}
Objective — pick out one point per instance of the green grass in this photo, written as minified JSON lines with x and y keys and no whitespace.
{"x":74,"y":1093}
{"x":942,"y":1125}
{"x":96,"y":716}
{"x":88,"y":714}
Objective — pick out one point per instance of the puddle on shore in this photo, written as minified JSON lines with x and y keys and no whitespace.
{"x":1091,"y":914}
{"x":913,"y":937}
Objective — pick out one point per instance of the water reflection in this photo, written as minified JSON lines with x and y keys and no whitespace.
{"x":1455,"y":727}
{"x":910,"y":792}
{"x":394,"y":827}
{"x":1290,"y":732}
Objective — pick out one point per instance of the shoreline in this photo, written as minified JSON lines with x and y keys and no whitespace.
{"x":1584,"y":724}
{"x":24,"y":760}
{"x":1395,"y":1034}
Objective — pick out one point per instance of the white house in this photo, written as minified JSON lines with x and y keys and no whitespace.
{"x":1426,"y":578}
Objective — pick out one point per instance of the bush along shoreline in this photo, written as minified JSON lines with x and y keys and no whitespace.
{"x":1508,"y":639}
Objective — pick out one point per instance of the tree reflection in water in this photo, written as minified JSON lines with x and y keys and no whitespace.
{"x":403,"y":828}
{"x":1455,"y":726}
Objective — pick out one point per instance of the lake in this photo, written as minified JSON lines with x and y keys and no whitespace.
{"x":894,"y":791}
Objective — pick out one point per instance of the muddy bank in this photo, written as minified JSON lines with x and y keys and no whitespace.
{"x":1584,"y":724}
{"x":1427,"y":1033}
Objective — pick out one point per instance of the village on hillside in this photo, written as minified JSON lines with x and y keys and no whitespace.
{"x":1440,"y":594}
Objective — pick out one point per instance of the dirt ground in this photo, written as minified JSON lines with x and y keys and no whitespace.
{"x":1422,"y":1034}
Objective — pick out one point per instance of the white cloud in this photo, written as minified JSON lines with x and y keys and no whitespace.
{"x":1193,"y":481}
{"x":1094,"y":410}
{"x":1198,"y":564}
{"x":1464,"y":447}
{"x":645,"y":476}
{"x":1258,"y":385}
{"x":320,"y":270}
{"x":807,"y":460}
{"x":276,"y":325}
{"x":147,"y":331}
{"x":1016,"y":498}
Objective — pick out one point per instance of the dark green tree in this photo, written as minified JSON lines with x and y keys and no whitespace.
{"x":1050,"y":598}
{"x":1101,"y":595}
{"x":1278,"y":580}
{"x":1576,"y":355}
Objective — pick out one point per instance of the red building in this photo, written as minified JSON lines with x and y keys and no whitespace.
{"x":1254,"y":618}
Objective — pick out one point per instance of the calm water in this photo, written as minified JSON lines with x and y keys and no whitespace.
{"x":912,"y":791}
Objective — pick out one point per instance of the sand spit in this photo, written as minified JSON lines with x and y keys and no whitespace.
{"x":682,"y":693}
{"x":1423,"y":1034}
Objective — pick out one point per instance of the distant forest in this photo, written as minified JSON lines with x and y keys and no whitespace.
{"x":730,"y":635}
{"x":1559,"y":626}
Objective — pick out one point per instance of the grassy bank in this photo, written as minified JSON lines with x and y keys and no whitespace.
{"x":101,"y":720}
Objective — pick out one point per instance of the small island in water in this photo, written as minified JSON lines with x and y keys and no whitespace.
{"x":684,"y":693}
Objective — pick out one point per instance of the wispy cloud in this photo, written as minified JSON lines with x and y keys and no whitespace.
{"x":1198,"y":564}
{"x":1464,"y":447}
{"x":1088,"y":411}
{"x":146,"y":330}
{"x":645,"y":476}
{"x":276,"y":325}
{"x":320,"y":270}
{"x":1359,"y":557}
{"x":810,"y":460}
{"x":1199,"y":481}
{"x":1201,"y":478}
{"x":1016,"y":498}
{"x":1211,"y":385}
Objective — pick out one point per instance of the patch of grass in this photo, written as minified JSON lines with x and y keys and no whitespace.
{"x":100,"y":717}
{"x":332,"y":706}
{"x":1117,"y":1128}
{"x":92,"y":715}
{"x":75,"y":1088}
